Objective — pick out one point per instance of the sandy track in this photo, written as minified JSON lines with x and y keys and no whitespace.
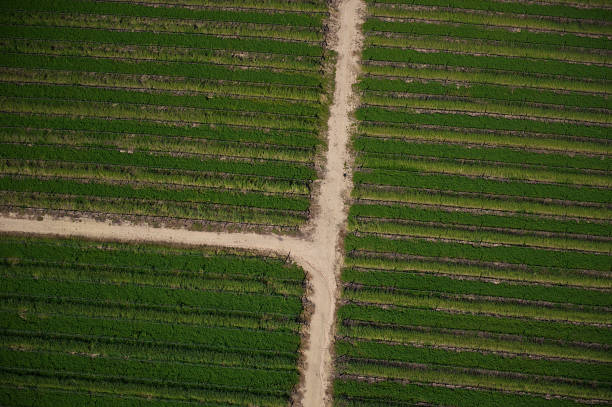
{"x":320,"y":253}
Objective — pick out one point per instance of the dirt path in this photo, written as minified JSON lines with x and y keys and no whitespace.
{"x":320,"y":254}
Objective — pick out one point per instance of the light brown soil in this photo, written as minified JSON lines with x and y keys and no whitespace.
{"x":320,"y":253}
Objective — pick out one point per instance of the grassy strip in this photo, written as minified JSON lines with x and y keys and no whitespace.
{"x":46,"y":390}
{"x":177,"y":129}
{"x":219,"y":301}
{"x":155,"y":212}
{"x":492,"y":20}
{"x":466,"y":304}
{"x":162,"y":352}
{"x":480,"y":154}
{"x":88,"y":94}
{"x":277,"y":63}
{"x":475,"y":47}
{"x":182,"y":280}
{"x":404,"y":317}
{"x":246,"y":379}
{"x":481,"y":122}
{"x":515,"y":255}
{"x":149,"y":10}
{"x":162,"y":39}
{"x":444,"y":231}
{"x":70,"y":187}
{"x":483,"y":106}
{"x":154,"y":257}
{"x":522,"y":274}
{"x":409,"y":280}
{"x":471,"y":340}
{"x":519,"y":364}
{"x":556,"y":10}
{"x":486,"y":379}
{"x":162,"y":315}
{"x":477,"y":90}
{"x":218,"y":337}
{"x":109,"y":110}
{"x":176,"y":69}
{"x":517,"y":79}
{"x":484,"y":202}
{"x":516,"y":221}
{"x":471,"y":169}
{"x":414,"y":179}
{"x":174,"y":25}
{"x":486,"y":139}
{"x":107,"y":156}
{"x":414,"y":393}
{"x":154,"y":144}
{"x":445,"y":59}
{"x":486,"y":33}
{"x":40,"y":169}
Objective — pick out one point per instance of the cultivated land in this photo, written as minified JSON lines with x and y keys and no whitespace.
{"x":129,"y":324}
{"x":478,"y":268}
{"x":202,"y":114}
{"x":316,"y":251}
{"x":477,"y":265}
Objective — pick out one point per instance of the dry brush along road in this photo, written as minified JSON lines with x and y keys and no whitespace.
{"x":319,"y":252}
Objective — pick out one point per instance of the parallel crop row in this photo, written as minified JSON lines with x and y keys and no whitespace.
{"x":202,"y":322}
{"x":478,"y":259}
{"x":219,"y":107}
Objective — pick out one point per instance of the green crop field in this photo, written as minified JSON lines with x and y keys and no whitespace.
{"x":131,"y":325}
{"x":183,"y":113}
{"x":479,"y":268}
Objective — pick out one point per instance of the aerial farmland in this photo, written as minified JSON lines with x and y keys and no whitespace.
{"x":306,"y":203}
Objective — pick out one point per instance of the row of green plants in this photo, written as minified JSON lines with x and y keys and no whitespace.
{"x":553,"y":10}
{"x":308,"y":13}
{"x":490,"y":33}
{"x":208,"y":324}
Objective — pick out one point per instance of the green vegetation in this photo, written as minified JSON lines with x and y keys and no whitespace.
{"x":145,"y":323}
{"x":479,"y":253}
{"x":221,"y":104}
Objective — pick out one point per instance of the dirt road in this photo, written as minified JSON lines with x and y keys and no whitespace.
{"x":320,"y":254}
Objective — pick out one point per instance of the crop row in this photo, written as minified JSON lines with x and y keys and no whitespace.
{"x":153,"y":351}
{"x":479,"y":138}
{"x":466,"y":31}
{"x":556,"y":10}
{"x":145,"y":257}
{"x":174,"y":25}
{"x":109,"y":156}
{"x":414,"y":179}
{"x":407,"y":280}
{"x":200,"y":71}
{"x":477,"y":341}
{"x":491,"y":20}
{"x":136,"y":127}
{"x":114,"y":173}
{"x":225,"y":283}
{"x":162,"y":39}
{"x":490,"y":253}
{"x":177,"y":213}
{"x":203,"y":10}
{"x":516,"y":222}
{"x":186,"y":147}
{"x":94,"y":94}
{"x":482,"y":76}
{"x":500,"y":63}
{"x":482,"y":155}
{"x":474,"y":304}
{"x":495,"y":92}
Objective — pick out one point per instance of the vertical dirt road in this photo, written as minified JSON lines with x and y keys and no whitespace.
{"x":320,"y":254}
